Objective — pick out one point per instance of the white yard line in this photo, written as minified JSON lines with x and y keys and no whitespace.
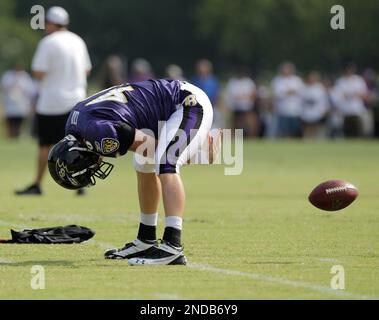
{"x":102,"y":245}
{"x":167,"y":296}
{"x":5,"y":261}
{"x":329,"y":260}
{"x":268,"y":279}
{"x":280,"y":281}
{"x":248,"y":275}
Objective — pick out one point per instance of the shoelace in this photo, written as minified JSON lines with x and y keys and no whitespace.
{"x":127,"y":246}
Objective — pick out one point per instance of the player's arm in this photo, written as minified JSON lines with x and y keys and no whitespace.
{"x":41,"y":60}
{"x":112,"y":139}
{"x":108,"y":138}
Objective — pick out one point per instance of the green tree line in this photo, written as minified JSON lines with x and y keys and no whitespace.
{"x":257,"y":33}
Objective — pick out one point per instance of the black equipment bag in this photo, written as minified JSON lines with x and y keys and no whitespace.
{"x":68,"y":234}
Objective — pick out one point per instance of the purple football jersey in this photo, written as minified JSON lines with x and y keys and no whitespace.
{"x":141,"y":105}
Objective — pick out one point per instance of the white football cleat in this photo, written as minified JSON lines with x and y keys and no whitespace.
{"x":164,"y":254}
{"x":130,"y":250}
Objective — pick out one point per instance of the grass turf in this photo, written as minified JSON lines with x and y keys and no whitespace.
{"x":252,"y":236}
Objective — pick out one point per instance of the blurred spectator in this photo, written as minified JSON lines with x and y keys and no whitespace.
{"x":207,"y":81}
{"x":140,"y":70}
{"x":112,"y":73}
{"x":335,"y":117}
{"x":315,"y":106}
{"x":61,"y":63}
{"x":174,"y":72}
{"x":372,"y":98}
{"x":263,"y":105}
{"x":240,"y":98}
{"x":287,"y":89}
{"x":351,"y":91}
{"x":19,"y":92}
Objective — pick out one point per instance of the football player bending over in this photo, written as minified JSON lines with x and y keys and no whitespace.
{"x":109,"y":124}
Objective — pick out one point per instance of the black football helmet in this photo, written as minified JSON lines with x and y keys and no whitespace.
{"x":73,"y":166}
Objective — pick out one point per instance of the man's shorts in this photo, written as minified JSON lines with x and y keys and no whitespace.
{"x":50,"y":129}
{"x":14,"y":121}
{"x":289,"y":126}
{"x":182,"y":134}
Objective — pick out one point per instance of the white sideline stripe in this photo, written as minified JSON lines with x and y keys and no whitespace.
{"x":280,"y":281}
{"x":102,"y":245}
{"x":5,"y":261}
{"x":271,"y":279}
{"x":166,"y":296}
{"x":331,"y":260}
{"x":249,"y":275}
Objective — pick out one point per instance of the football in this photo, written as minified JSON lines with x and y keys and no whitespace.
{"x":333,"y":195}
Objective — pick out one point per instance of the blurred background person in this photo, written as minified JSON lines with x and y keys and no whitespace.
{"x":334,"y":122}
{"x":287,"y":87}
{"x":61,"y":63}
{"x":208,"y":82}
{"x":351,"y":91}
{"x":372,"y":99}
{"x":175,"y":72}
{"x":112,"y":72}
{"x":240,"y":95}
{"x":140,"y":70}
{"x":263,"y":106}
{"x":18,"y":91}
{"x":315,"y":106}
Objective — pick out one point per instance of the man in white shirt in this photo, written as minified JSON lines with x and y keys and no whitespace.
{"x":61,"y":63}
{"x":314,"y":107}
{"x":287,"y":101}
{"x":240,"y":97}
{"x":351,"y":90}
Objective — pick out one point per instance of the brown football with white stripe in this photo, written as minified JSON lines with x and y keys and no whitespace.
{"x":333,"y":195}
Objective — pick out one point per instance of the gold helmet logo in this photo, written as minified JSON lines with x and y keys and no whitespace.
{"x":109,"y":145}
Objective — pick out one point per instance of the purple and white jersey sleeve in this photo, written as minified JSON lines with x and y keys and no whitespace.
{"x":101,"y":136}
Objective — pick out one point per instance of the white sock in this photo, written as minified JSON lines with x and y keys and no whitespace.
{"x":174,"y":222}
{"x":149,"y":219}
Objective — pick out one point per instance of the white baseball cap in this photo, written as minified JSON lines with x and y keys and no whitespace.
{"x":57,"y":15}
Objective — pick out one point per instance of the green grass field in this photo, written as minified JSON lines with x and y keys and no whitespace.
{"x":253,"y":236}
